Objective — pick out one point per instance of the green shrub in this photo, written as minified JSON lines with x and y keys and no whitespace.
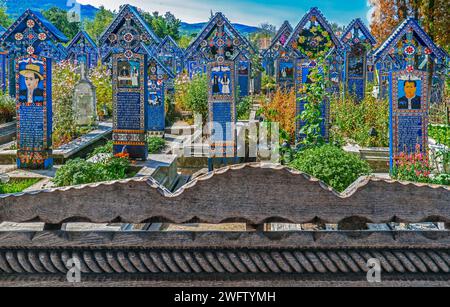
{"x":104,"y":149}
{"x":155,"y":144}
{"x":79,"y":171}
{"x":441,"y":134}
{"x":243,"y":108}
{"x":331,"y":165}
{"x":353,"y":120}
{"x":64,"y":80}
{"x":442,"y":179}
{"x":192,"y":95}
{"x":7,"y":108}
{"x":102,"y":80}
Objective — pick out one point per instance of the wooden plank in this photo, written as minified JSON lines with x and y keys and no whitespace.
{"x":252,"y":194}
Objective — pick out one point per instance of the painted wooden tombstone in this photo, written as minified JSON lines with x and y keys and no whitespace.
{"x":3,"y":65}
{"x":159,"y":79}
{"x":312,"y":39}
{"x":222,"y":109}
{"x":3,"y":71}
{"x":82,"y":48}
{"x":171,"y":55}
{"x":32,"y":42}
{"x":85,"y":106}
{"x":271,"y":55}
{"x":358,"y":43}
{"x":127,"y":37}
{"x":220,"y":41}
{"x":303,"y":79}
{"x":409,"y":90}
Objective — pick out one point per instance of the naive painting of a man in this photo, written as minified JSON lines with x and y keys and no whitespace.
{"x":411,"y":99}
{"x":31,"y":89}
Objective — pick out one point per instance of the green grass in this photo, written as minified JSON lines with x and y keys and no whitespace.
{"x":17,"y":185}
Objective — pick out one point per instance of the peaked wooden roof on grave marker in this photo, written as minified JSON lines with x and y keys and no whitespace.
{"x":169,"y":40}
{"x":314,"y":12}
{"x":151,"y":51}
{"x":203,"y":34}
{"x":358,"y":24}
{"x":120,"y":19}
{"x":46,"y":26}
{"x":285,"y":28}
{"x":400,"y":32}
{"x":80,"y":35}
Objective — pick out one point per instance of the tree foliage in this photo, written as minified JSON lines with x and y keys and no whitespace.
{"x":163,"y":25}
{"x":102,"y":20}
{"x":58,"y":17}
{"x":434,"y":16}
{"x":5,"y":21}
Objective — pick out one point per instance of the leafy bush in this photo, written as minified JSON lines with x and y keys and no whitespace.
{"x":442,"y":179}
{"x":441,"y":134}
{"x":268,"y":83}
{"x":102,"y":80}
{"x":155,"y":144}
{"x":104,"y":149}
{"x":7,"y":108}
{"x":354,"y":121}
{"x":64,"y":80}
{"x":192,"y":95}
{"x":332,"y":165}
{"x":79,"y":171}
{"x":281,"y":109}
{"x":243,"y":108}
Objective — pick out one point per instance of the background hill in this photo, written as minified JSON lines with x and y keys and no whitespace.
{"x":16,"y":7}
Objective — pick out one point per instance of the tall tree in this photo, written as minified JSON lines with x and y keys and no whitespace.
{"x":60,"y":19}
{"x":163,"y":25}
{"x":5,"y":21}
{"x":102,"y":20}
{"x":434,"y":16}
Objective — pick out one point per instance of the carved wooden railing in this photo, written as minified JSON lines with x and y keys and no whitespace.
{"x":253,"y":194}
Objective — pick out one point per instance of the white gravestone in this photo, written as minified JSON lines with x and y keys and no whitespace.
{"x":85,"y":104}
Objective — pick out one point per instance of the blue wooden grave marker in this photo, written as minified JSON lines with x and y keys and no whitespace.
{"x":410,"y":50}
{"x":307,"y":42}
{"x":33,"y":42}
{"x":302,"y":70}
{"x":82,"y":48}
{"x":125,"y":42}
{"x":271,"y":55}
{"x":219,"y":38}
{"x":222,"y":110}
{"x":358,"y":43}
{"x":171,"y":55}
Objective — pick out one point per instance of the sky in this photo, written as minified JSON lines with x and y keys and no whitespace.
{"x":249,"y":12}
